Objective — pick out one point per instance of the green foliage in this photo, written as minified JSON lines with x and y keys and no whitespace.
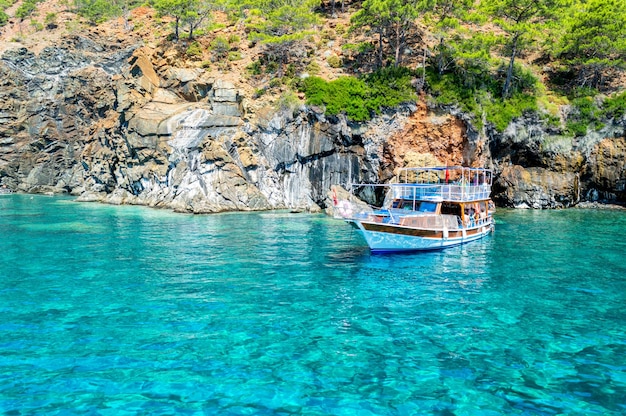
{"x":520,"y":20}
{"x":390,"y":87}
{"x":585,"y":115}
{"x":288,"y":101}
{"x":281,"y":21}
{"x":36,"y":25}
{"x":97,"y":11}
{"x":313,"y":68}
{"x":234,"y":56}
{"x":255,"y":68}
{"x":473,"y":88}
{"x":194,"y":49}
{"x":391,"y":21}
{"x":334,"y":61}
{"x":501,"y":112}
{"x":360,"y":98}
{"x":185,"y":12}
{"x":586,"y":112}
{"x":220,"y":47}
{"x":614,"y":107}
{"x":51,"y":20}
{"x":344,"y":95}
{"x":594,"y":38}
{"x":26,"y":8}
{"x":4,"y":18}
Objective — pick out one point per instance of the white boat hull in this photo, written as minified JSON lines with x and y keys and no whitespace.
{"x":390,"y":238}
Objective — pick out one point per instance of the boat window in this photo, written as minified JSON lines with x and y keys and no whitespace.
{"x":427,"y":207}
{"x":451,"y":209}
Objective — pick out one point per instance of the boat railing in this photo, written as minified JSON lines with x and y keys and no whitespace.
{"x":441,"y":192}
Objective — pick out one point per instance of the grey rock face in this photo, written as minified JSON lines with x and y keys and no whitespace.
{"x":118,"y":125}
{"x":538,"y":167}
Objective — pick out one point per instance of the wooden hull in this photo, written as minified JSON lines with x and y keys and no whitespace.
{"x":383,"y":238}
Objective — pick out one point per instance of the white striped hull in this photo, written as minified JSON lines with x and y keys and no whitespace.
{"x":393,"y":238}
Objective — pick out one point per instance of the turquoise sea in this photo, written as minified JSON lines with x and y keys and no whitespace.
{"x":109,"y":310}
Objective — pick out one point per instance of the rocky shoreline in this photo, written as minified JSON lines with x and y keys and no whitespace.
{"x":121,"y":123}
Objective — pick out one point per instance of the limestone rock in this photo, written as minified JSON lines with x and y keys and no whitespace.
{"x":123,"y":123}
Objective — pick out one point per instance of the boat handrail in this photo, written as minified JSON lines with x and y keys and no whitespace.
{"x":440,"y":192}
{"x":445,"y":175}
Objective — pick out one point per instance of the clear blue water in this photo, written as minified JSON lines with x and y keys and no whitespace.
{"x":126,"y":310}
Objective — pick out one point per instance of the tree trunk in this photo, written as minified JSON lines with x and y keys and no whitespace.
{"x":506,"y":91}
{"x":380,"y":48}
{"x":440,"y":57}
{"x":398,"y":54}
{"x":176,"y":25}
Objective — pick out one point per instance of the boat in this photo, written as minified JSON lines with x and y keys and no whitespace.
{"x":426,"y":208}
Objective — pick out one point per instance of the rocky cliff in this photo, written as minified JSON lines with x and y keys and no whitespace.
{"x":121,"y":123}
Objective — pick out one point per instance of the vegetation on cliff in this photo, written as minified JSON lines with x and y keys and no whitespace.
{"x":494,"y":59}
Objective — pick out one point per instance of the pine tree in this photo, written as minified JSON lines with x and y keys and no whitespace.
{"x":519,"y":19}
{"x":445,"y":16}
{"x":279,"y":24}
{"x":184,"y":12}
{"x":392,"y":21}
{"x":595,"y":39}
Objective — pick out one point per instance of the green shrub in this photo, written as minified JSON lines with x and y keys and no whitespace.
{"x":36,"y":25}
{"x":255,"y":68}
{"x":51,"y":20}
{"x":334,"y":61}
{"x":501,"y":112}
{"x":234,"y":56}
{"x":585,"y":115}
{"x":233,"y":39}
{"x":220,"y":47}
{"x":473,"y":87}
{"x":390,"y":87}
{"x":614,"y":107}
{"x":97,"y":11}
{"x":313,"y":68}
{"x":271,"y":67}
{"x":360,"y":98}
{"x":577,"y":128}
{"x":194,"y":49}
{"x":26,"y":9}
{"x":276,"y":82}
{"x":4,"y":18}
{"x":288,"y":101}
{"x":328,"y":34}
